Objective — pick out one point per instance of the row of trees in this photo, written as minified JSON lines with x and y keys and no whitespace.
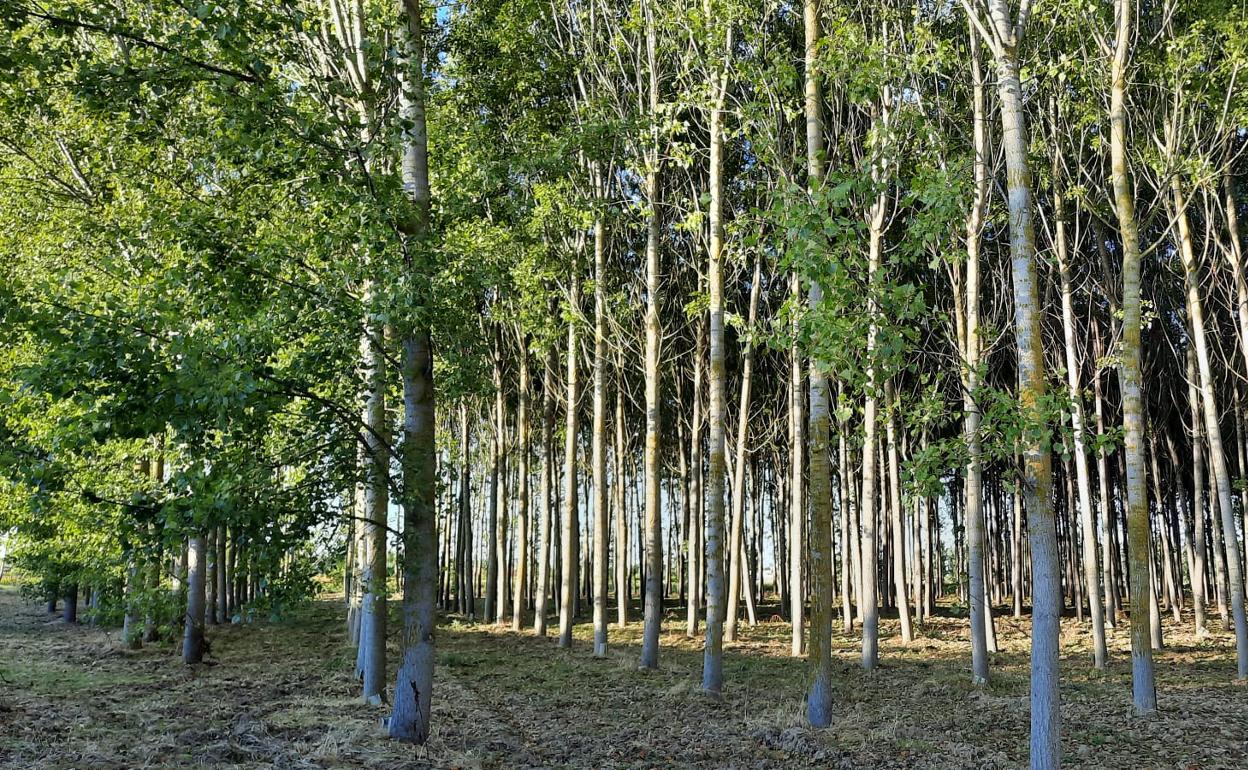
{"x":845,"y":306}
{"x":205,"y":203}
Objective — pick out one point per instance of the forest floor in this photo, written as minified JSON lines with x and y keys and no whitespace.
{"x":281,"y":695}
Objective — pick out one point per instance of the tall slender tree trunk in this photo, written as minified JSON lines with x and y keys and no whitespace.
{"x":522,"y":492}
{"x":151,"y":581}
{"x":178,"y":590}
{"x":797,"y":482}
{"x":223,"y":580}
{"x":541,"y":595}
{"x":1216,"y":547}
{"x":932,"y":555}
{"x":1235,"y":257}
{"x":1240,"y":458}
{"x":1087,"y":521}
{"x":1037,"y":480}
{"x":371,"y":657}
{"x":569,"y":539}
{"x":1213,"y":430}
{"x":1167,"y":555}
{"x":679,"y":540}
{"x":210,"y":580}
{"x":498,"y":537}
{"x":464,"y":562}
{"x":240,"y":574}
{"x":898,"y":524}
{"x":599,"y":438}
{"x":736,"y":568}
{"x":1181,"y":499}
{"x":1016,"y":566}
{"x":348,"y":29}
{"x":1105,"y":503}
{"x":585,"y":574}
{"x":491,"y":524}
{"x":621,"y":514}
{"x":819,"y":697}
{"x":713,"y":656}
{"x":413,"y":690}
{"x":1004,"y":33}
{"x":980,"y":611}
{"x":1144,"y":688}
{"x":193,"y":629}
{"x":654,"y":522}
{"x":696,"y":582}
{"x":1198,"y":576}
{"x":637,"y":516}
{"x":869,"y":597}
{"x":372,"y":648}
{"x":849,"y":532}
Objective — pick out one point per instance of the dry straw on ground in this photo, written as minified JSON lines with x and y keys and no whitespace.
{"x":280,"y":695}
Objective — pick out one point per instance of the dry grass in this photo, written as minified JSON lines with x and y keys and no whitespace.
{"x":280,"y":695}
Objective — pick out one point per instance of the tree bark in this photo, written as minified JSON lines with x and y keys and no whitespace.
{"x":1144,"y":688}
{"x":696,"y":582}
{"x":621,"y":513}
{"x":498,"y":538}
{"x":413,"y":690}
{"x":371,"y":658}
{"x":464,"y":562}
{"x":898,"y":523}
{"x":736,"y":568}
{"x":522,"y":492}
{"x":1108,"y":571}
{"x":797,"y":482}
{"x":1087,"y":520}
{"x":869,"y":597}
{"x":70,"y":613}
{"x":131,"y":634}
{"x":570,"y":536}
{"x":193,"y":629}
{"x":980,"y":611}
{"x":210,"y":580}
{"x":491,"y":524}
{"x":654,"y":522}
{"x":1213,"y":430}
{"x":548,"y":481}
{"x":1004,"y":33}
{"x":849,"y":532}
{"x":1198,"y":575}
{"x":819,"y":697}
{"x":713,"y":660}
{"x":599,"y":438}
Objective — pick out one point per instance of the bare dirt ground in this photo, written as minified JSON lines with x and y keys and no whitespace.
{"x":281,"y":695}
